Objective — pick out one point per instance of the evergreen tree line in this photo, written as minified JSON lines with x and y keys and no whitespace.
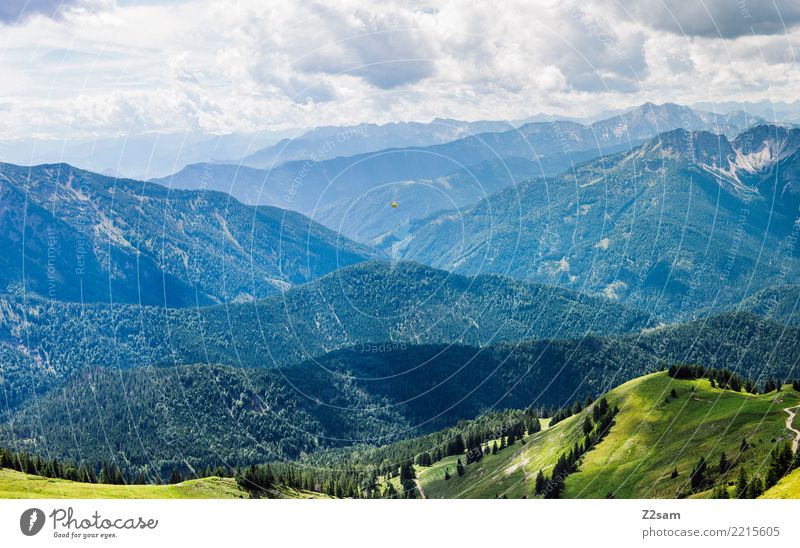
{"x":350,"y":472}
{"x":103,"y":471}
{"x":359,"y":478}
{"x":356,"y":473}
{"x":782,"y":461}
{"x":727,"y":379}
{"x":261,"y":479}
{"x":595,"y":426}
{"x":430,"y":448}
{"x":566,"y":412}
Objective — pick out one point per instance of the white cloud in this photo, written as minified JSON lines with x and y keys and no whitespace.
{"x":246,"y":65}
{"x":715,"y":18}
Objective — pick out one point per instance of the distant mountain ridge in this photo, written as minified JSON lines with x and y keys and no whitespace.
{"x":327,"y":142}
{"x":779,"y":303}
{"x":136,"y":156}
{"x":344,"y":192}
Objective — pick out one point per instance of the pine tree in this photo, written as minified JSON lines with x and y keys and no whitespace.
{"x":407,"y":472}
{"x":459,"y":468}
{"x":780,"y":462}
{"x":540,"y":482}
{"x":459,"y":446}
{"x":424,"y":459}
{"x":116,"y":475}
{"x":723,"y":463}
{"x":698,"y":476}
{"x":175,"y":476}
{"x":741,"y":484}
{"x":720,"y":492}
{"x":756,"y":488}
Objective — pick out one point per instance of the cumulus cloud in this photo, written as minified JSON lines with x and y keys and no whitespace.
{"x":384,"y":49}
{"x":715,"y":18}
{"x":242,"y":66}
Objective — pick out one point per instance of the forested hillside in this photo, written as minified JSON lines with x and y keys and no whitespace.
{"x":781,"y":303}
{"x":373,"y":303}
{"x":79,"y":236}
{"x":365,"y":395}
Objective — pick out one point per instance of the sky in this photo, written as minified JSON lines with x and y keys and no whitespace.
{"x":76,"y":68}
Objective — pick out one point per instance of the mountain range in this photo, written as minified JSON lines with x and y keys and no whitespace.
{"x":355,"y":310}
{"x":137,"y":156}
{"x":657,"y":227}
{"x":327,"y":142}
{"x":343,"y":190}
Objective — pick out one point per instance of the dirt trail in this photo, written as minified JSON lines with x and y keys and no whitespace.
{"x":791,"y":412}
{"x":422,"y":493}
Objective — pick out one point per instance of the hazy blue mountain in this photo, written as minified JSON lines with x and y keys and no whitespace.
{"x":678,"y":224}
{"x":73,"y":235}
{"x":246,"y":184}
{"x":395,"y":205}
{"x":779,"y":112}
{"x":136,"y":156}
{"x":324,"y":143}
{"x":352,"y":193}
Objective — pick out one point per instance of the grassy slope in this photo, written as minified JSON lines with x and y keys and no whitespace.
{"x":17,"y":485}
{"x":649,"y":438}
{"x":787,"y":488}
{"x":510,"y":472}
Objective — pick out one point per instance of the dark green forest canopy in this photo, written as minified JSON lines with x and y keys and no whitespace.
{"x":372,"y":303}
{"x":201,"y":414}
